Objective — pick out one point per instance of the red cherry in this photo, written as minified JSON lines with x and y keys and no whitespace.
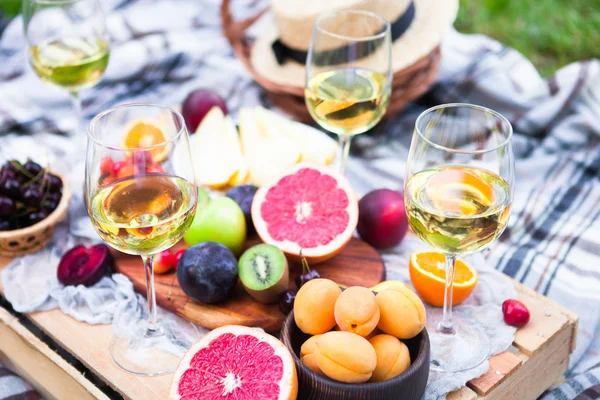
{"x":515,"y":313}
{"x":106,"y":166}
{"x":178,"y":256}
{"x":164,"y":262}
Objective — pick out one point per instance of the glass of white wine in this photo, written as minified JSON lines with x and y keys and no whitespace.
{"x":458,"y":192}
{"x":68,"y":43}
{"x":141,"y":201}
{"x":348,"y":74}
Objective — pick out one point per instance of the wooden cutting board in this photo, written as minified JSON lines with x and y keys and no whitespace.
{"x":357,"y":264}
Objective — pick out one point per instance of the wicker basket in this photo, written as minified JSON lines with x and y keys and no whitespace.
{"x":407,"y":84}
{"x":31,"y":239}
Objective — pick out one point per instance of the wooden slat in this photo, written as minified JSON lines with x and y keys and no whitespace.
{"x":501,"y":367}
{"x":546,"y":321}
{"x":33,"y":360}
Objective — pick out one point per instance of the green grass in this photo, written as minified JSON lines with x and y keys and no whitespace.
{"x":551,"y":33}
{"x":10,"y":7}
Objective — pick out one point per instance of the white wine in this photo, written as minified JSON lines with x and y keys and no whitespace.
{"x":347,"y":101}
{"x":457,"y":209}
{"x":144,"y":215}
{"x":71,"y":63}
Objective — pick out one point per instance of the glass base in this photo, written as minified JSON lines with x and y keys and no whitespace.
{"x":150,"y":354}
{"x":461,"y":348}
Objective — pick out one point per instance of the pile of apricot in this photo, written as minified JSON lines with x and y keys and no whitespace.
{"x":357,"y":332}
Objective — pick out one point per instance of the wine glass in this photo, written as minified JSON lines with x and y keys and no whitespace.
{"x":141,"y":201}
{"x":68,"y":43}
{"x":458,"y":192}
{"x":348,"y":74}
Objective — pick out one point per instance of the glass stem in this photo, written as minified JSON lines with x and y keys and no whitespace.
{"x":153,"y":324}
{"x":445,"y":326}
{"x":76,"y":103}
{"x":345,"y":151}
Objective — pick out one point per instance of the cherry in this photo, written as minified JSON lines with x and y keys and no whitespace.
{"x":35,"y":217}
{"x":33,"y":168}
{"x":164,"y":262}
{"x":32,"y":196}
{"x":307,"y":274}
{"x":515,"y":313}
{"x":11,"y":188}
{"x":7,"y":206}
{"x":84,"y":265}
{"x":54,"y":183}
{"x":286,"y":301}
{"x":178,"y":256}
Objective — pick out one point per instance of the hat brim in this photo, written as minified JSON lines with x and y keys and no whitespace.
{"x":433,"y":18}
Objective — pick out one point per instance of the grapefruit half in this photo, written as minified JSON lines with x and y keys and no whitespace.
{"x":236,"y":363}
{"x":310,"y":208}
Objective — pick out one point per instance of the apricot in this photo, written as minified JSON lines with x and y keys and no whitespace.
{"x":308,"y":354}
{"x":345,"y":357}
{"x":314,"y":306}
{"x":402,"y":312}
{"x":393,"y":357}
{"x":356,"y":311}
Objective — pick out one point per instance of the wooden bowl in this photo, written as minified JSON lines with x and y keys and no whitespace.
{"x":28,"y":240}
{"x":410,"y":385}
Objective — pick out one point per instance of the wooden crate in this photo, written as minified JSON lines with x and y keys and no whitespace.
{"x":538,"y":359}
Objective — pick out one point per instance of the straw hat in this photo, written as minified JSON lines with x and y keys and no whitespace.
{"x":420,"y":26}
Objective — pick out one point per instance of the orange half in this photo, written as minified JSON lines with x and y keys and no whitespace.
{"x":145,"y":134}
{"x":449,"y":188}
{"x":428,"y":276}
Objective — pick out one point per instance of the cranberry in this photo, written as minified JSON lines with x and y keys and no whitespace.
{"x":164,"y":262}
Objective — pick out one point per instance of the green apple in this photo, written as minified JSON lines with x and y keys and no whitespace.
{"x":220,"y":220}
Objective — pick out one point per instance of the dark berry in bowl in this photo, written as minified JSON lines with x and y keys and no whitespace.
{"x":11,"y":188}
{"x":84,"y":265}
{"x":7,"y":206}
{"x":32,"y":197}
{"x":35,"y":217}
{"x":33,"y":168}
{"x":54,"y":183}
{"x":5,"y":225}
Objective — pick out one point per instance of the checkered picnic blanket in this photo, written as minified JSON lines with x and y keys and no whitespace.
{"x":162,"y":49}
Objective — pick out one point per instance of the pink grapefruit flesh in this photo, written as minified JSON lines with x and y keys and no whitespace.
{"x":310,"y":208}
{"x":236,"y":363}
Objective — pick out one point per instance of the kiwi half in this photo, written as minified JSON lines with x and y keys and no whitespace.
{"x":263,"y":270}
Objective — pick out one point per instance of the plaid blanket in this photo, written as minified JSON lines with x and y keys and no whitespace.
{"x":163,"y":49}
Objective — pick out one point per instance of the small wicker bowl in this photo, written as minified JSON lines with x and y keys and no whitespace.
{"x":31,"y":239}
{"x":410,"y":385}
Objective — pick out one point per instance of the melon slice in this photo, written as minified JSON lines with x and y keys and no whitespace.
{"x":267,"y":152}
{"x":309,"y":208}
{"x":216,"y":152}
{"x":314,"y":145}
{"x":236,"y":363}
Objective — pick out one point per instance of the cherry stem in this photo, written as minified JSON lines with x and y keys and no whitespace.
{"x":305,"y":266}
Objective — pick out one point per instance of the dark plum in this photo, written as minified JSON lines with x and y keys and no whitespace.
{"x":208,"y":272}
{"x":286,"y":301}
{"x":197,"y":104}
{"x":382,"y":220}
{"x":243,"y":196}
{"x":7,"y":206}
{"x":84,"y":265}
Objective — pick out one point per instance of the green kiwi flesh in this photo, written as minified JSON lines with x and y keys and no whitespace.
{"x":263,"y":270}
